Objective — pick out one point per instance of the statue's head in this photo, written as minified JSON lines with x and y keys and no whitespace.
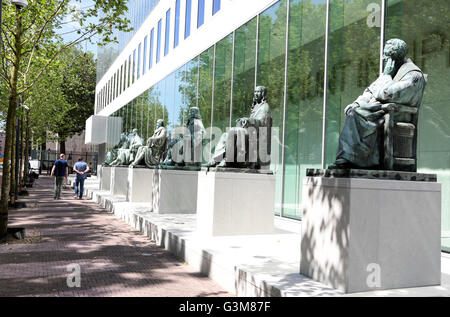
{"x":260,"y":94}
{"x":134,"y":132}
{"x":160,"y":123}
{"x":395,"y":49}
{"x":194,"y":113}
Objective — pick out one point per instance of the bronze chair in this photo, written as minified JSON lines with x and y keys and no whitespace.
{"x":400,"y":137}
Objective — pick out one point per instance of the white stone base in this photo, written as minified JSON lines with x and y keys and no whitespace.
{"x":230,"y":204}
{"x":140,"y":183}
{"x":174,"y":192}
{"x":119,"y":181}
{"x":363,"y":235}
{"x":105,"y":178}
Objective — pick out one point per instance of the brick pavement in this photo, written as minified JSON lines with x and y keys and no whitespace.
{"x":114,"y":259}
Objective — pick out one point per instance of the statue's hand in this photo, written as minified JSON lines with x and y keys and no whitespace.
{"x":389,"y":107}
{"x":350,"y":107}
{"x":390,"y":67}
{"x":242,"y":123}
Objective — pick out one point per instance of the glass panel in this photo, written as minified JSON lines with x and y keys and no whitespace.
{"x":187,"y":27}
{"x":216,"y":6}
{"x":303,"y":136}
{"x":205,"y":93}
{"x":169,"y":101}
{"x":201,"y":13}
{"x":166,"y":41}
{"x":129,"y":70}
{"x":179,"y":100}
{"x":189,"y":87}
{"x":353,"y":62}
{"x":177,"y":23}
{"x":158,"y":42}
{"x":244,"y":70}
{"x":139,"y":61}
{"x":152,"y":35}
{"x":133,"y":77}
{"x":271,"y":65}
{"x":222,"y":85}
{"x":144,"y":58}
{"x":429,"y":48}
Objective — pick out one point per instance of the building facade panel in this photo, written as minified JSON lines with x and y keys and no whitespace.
{"x":283,"y":45}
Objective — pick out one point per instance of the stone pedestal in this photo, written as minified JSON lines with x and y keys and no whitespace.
{"x":119,"y":181}
{"x":140,"y":183}
{"x":105,"y":178}
{"x":174,"y":191}
{"x":366,"y":234}
{"x":230,"y":204}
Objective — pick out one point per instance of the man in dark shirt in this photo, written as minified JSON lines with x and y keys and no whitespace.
{"x":60,"y":171}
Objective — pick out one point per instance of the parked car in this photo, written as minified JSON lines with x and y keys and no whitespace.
{"x":35,"y":168}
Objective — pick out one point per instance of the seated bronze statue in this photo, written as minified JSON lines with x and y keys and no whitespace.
{"x":111,"y":156}
{"x":248,"y":144}
{"x":186,"y":148}
{"x":397,"y":92}
{"x":126,"y":155}
{"x":152,"y":154}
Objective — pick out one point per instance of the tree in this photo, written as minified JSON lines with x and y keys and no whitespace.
{"x":30,"y":45}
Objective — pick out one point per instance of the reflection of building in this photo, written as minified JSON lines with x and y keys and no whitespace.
{"x":74,"y":144}
{"x":211,"y":54}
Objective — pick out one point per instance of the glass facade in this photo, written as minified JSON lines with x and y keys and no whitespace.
{"x":284,"y":49}
{"x":138,"y":11}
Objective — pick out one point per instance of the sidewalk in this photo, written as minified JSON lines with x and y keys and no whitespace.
{"x":114,"y":259}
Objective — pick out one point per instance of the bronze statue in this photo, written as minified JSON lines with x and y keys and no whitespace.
{"x":395,"y":94}
{"x":126,"y":155}
{"x":111,"y":156}
{"x":153,"y":152}
{"x":186,"y":149}
{"x":248,"y":144}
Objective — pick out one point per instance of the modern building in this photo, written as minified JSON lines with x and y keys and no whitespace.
{"x":314,"y":56}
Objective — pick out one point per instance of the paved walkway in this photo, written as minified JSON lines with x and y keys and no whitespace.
{"x":114,"y":260}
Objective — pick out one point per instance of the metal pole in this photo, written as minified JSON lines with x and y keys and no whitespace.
{"x":325,"y":90}
{"x":285,"y":90}
{"x":382,"y":33}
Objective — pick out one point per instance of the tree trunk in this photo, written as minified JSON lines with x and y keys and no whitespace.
{"x":13,"y":163}
{"x":27,"y":148}
{"x":10,"y":119}
{"x":22,"y":156}
{"x":62,"y":147}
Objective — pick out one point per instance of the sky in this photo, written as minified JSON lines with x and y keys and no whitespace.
{"x":68,"y":30}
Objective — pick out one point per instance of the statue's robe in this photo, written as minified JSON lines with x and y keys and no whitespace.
{"x":126,"y":155}
{"x":178,"y":153}
{"x":361,"y":140}
{"x":152,"y":153}
{"x":241,"y":153}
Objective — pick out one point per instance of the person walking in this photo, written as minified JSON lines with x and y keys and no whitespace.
{"x":60,"y":171}
{"x":81,"y":169}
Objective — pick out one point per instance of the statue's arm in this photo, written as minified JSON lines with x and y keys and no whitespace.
{"x":404,"y":91}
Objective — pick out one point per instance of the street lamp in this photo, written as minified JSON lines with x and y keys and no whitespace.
{"x":20,"y":4}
